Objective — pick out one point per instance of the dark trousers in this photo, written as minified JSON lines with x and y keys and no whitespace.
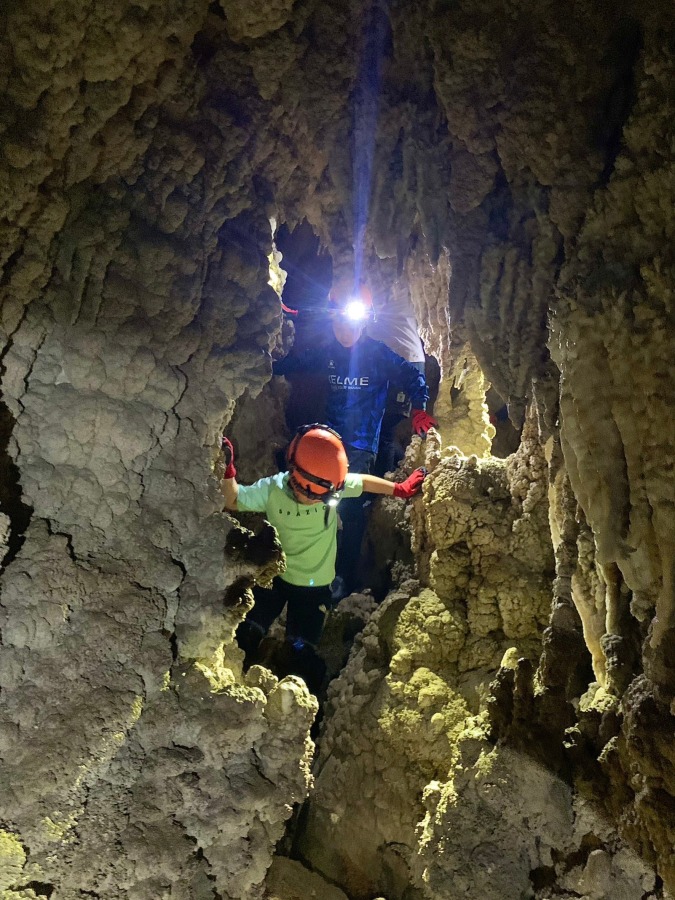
{"x":389,"y":453}
{"x":353,"y":516}
{"x":305,"y":614}
{"x":305,"y":617}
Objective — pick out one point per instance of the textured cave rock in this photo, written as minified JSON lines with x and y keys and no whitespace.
{"x":288,"y":880}
{"x":522,"y":189}
{"x":136,"y":300}
{"x":4,"y":534}
{"x":413,"y":798}
{"x":412,"y":692}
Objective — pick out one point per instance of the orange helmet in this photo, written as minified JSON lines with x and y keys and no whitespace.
{"x":353,"y":301}
{"x":317,"y":463}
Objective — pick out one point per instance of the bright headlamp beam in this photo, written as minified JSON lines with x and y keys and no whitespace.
{"x":355,"y":310}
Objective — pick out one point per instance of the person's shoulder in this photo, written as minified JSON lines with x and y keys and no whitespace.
{"x":322,"y":346}
{"x":256,"y":497}
{"x":297,"y":352}
{"x":353,"y":486}
{"x":278,"y":480}
{"x":373,"y":344}
{"x":382,"y":349}
{"x":267,"y":484}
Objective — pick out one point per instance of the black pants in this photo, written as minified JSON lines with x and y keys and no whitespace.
{"x":305,"y":614}
{"x":353,"y":515}
{"x":390,"y":451}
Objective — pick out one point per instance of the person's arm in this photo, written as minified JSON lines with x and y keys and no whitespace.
{"x":405,"y":377}
{"x":374,"y":485}
{"x":230,"y":490}
{"x":403,"y":490}
{"x":308,"y":361}
{"x":243,"y":497}
{"x":228,"y":485}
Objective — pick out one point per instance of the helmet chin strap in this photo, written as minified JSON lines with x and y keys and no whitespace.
{"x":330,"y":497}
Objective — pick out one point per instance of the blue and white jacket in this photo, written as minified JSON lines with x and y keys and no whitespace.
{"x":358,"y":379}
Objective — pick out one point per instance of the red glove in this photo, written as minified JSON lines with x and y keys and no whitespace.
{"x":228,"y":453}
{"x":404,"y":490}
{"x":422,"y":422}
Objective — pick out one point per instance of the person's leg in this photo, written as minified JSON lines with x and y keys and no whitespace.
{"x":353,"y":516}
{"x":397,"y":408}
{"x":388,"y":453}
{"x":306,"y":612}
{"x":268,"y":606}
{"x":305,"y":617}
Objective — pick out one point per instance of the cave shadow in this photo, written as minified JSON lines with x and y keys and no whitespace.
{"x":11,"y":497}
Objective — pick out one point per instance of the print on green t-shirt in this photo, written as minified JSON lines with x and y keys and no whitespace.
{"x":309,"y":539}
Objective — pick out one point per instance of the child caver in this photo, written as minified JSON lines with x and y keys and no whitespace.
{"x":301,"y":504}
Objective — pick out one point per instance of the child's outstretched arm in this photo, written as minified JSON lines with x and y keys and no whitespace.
{"x":402,"y":489}
{"x":229,"y":485}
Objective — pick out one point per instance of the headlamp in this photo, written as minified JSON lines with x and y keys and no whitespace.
{"x":330,"y":497}
{"x":355,"y":310}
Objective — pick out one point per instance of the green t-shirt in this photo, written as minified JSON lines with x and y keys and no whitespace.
{"x":309,"y":542}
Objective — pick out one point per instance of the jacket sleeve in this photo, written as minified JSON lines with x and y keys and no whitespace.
{"x":254,"y":497}
{"x":310,"y":360}
{"x":353,"y":485}
{"x":404,"y":376}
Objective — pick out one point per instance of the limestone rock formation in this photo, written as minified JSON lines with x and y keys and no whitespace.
{"x":410,"y":695}
{"x":513,"y":165}
{"x":127,"y":727}
{"x":288,"y":880}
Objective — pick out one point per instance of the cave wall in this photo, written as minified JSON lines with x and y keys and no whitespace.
{"x":135,"y":312}
{"x":521,"y":181}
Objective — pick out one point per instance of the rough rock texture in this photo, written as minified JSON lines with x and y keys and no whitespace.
{"x":136,"y":300}
{"x":413,"y":690}
{"x":4,"y":534}
{"x":515,"y":165}
{"x":412,"y":796}
{"x":526,"y":829}
{"x":465,"y":420}
{"x":288,"y":880}
{"x":486,"y":546}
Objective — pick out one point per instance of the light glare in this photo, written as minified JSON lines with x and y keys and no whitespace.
{"x":355,"y":310}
